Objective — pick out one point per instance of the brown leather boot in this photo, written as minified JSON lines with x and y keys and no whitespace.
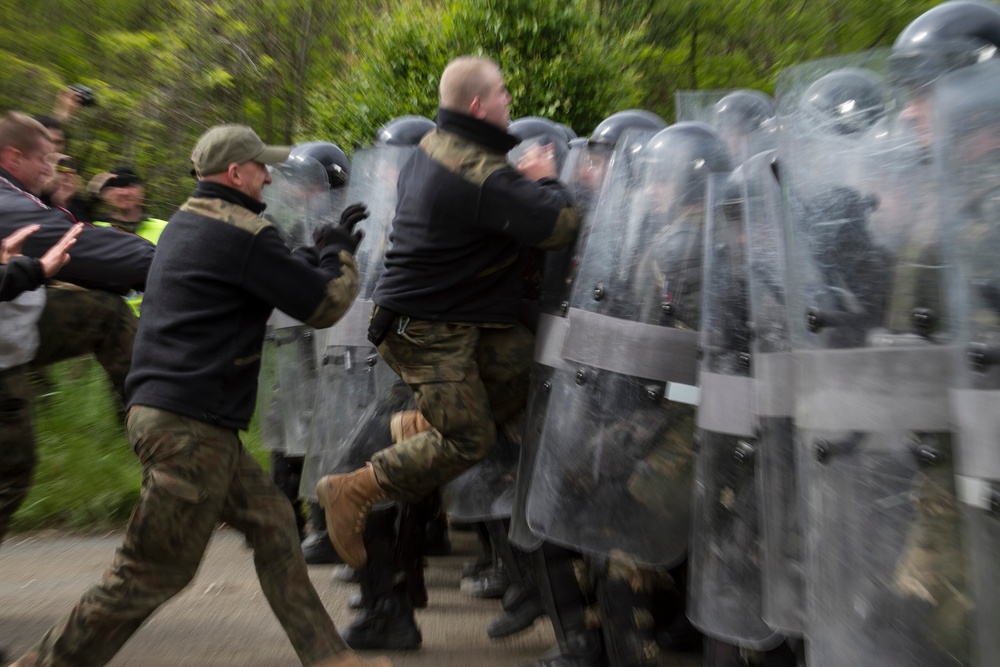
{"x":351,"y":659}
{"x":347,"y":500}
{"x":407,"y":424}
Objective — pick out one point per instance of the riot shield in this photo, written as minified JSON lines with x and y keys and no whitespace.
{"x":272,"y":430}
{"x":967,"y":140}
{"x":886,"y":574}
{"x":353,"y":380}
{"x":615,"y":457}
{"x":725,"y":598}
{"x":298,"y":201}
{"x":779,"y":488}
{"x":582,"y":173}
{"x":744,"y":118}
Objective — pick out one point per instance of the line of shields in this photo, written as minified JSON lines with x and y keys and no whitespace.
{"x":765,"y":354}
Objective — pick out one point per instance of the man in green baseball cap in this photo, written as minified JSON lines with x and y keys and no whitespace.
{"x":219,"y":271}
{"x":224,"y":145}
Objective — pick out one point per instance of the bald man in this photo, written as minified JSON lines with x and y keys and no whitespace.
{"x":445,"y":317}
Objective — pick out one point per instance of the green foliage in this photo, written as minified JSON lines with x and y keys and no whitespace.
{"x":87,"y":477}
{"x":539,"y":44}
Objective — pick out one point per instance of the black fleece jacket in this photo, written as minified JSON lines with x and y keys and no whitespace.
{"x":463,"y":220}
{"x":219,"y":271}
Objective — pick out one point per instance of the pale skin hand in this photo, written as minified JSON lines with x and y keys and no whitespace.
{"x":54,"y":258}
{"x":538,"y":162}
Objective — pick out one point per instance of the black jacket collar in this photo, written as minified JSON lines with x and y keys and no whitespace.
{"x":13,"y":181}
{"x":214,"y":190}
{"x":473,"y":129}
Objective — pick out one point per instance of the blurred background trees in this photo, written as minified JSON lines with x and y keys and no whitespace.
{"x":164,"y":70}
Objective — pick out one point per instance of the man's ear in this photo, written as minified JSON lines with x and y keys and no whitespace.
{"x":233,"y":173}
{"x":475,"y":107}
{"x":10,"y":158}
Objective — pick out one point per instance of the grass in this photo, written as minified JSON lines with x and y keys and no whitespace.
{"x":87,"y":476}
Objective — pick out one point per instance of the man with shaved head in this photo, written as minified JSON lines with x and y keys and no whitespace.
{"x":445,"y":316}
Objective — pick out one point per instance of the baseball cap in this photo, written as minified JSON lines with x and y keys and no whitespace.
{"x":122,"y":177}
{"x":223,"y":145}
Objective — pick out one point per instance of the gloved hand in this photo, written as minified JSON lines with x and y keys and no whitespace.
{"x":343,"y":235}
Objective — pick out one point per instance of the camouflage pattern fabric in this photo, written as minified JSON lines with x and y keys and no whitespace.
{"x":79,"y":321}
{"x":17,"y":443}
{"x":194,"y":476}
{"x":74,"y":322}
{"x":465,"y":380}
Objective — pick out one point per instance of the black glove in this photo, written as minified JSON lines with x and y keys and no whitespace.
{"x":343,"y":235}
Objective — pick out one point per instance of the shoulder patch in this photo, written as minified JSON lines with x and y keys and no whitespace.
{"x":462,"y":157}
{"x":223,"y":211}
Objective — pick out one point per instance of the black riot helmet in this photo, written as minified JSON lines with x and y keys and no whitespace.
{"x":403,"y":131}
{"x":845,"y":101}
{"x":743,"y":111}
{"x":567,"y":130}
{"x":329,"y":155}
{"x":534,"y":126}
{"x":949,"y":36}
{"x":681,"y":157}
{"x":537,"y":130}
{"x":608,"y":130}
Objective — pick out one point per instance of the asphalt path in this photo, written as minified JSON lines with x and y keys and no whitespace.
{"x":222,"y":618}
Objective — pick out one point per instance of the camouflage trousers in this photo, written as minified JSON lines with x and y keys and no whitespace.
{"x":17,"y":443}
{"x":74,"y":322}
{"x":194,"y":475}
{"x":78,"y":322}
{"x":466,"y":379}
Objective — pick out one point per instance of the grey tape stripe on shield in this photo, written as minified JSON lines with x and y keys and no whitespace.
{"x":977,"y":414}
{"x":875,"y":390}
{"x":631,"y":348}
{"x":549,"y":337}
{"x":726,"y":404}
{"x":973,"y":491}
{"x":774,"y":375}
{"x":352,"y":329}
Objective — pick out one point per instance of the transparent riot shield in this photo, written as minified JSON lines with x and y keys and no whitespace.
{"x":744,"y":118}
{"x":298,"y":199}
{"x":297,"y":202}
{"x":582,"y":173}
{"x":615,"y":457}
{"x":778,"y":484}
{"x":886,"y":575}
{"x":272,"y":431}
{"x":967,"y":141}
{"x":295,"y":367}
{"x":725,"y":598}
{"x":355,"y":386}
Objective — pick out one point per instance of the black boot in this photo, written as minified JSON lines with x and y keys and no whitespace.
{"x":386,"y":618}
{"x":522,"y":603}
{"x":410,"y":549}
{"x":286,"y":472}
{"x":674,"y":631}
{"x":565,"y":603}
{"x":317,"y":547}
{"x":388,"y":625}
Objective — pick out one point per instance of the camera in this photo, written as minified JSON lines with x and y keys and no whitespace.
{"x":84,"y":94}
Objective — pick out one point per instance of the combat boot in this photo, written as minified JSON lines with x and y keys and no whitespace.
{"x":407,"y":424}
{"x":522,"y":604}
{"x":347,"y":499}
{"x":316,"y":547}
{"x":351,"y":659}
{"x":388,"y":625}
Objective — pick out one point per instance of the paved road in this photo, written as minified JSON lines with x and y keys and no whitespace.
{"x":223,"y":620}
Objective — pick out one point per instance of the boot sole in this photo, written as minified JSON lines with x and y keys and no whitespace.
{"x":323,"y":494}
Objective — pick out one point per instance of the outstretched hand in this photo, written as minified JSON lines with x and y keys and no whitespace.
{"x":57,"y":256}
{"x":343,"y":234}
